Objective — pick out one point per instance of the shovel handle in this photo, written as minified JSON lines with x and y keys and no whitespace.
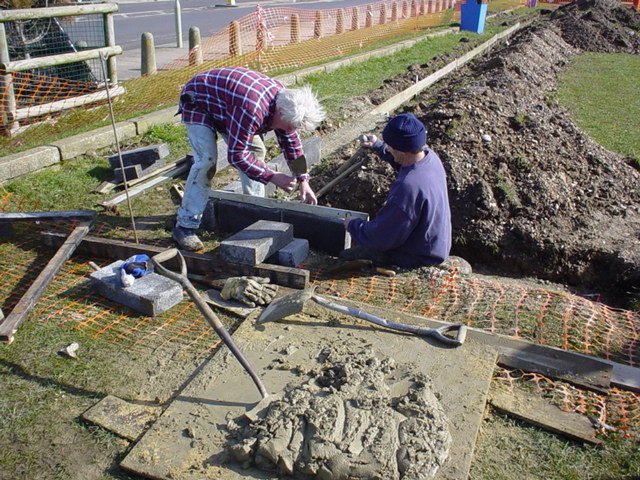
{"x":211,"y":318}
{"x":459,"y":338}
{"x":437,"y":333}
{"x":169,"y":254}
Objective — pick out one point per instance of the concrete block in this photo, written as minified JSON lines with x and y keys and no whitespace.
{"x":102,"y":137}
{"x":131,"y":172}
{"x":13,"y":166}
{"x":144,"y":156}
{"x":323,"y":227}
{"x":256,"y":242}
{"x":6,"y":229}
{"x":150,"y":295}
{"x":138,"y":170}
{"x":294,"y":253}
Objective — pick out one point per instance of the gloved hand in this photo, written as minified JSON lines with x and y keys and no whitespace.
{"x":251,"y":291}
{"x":135,"y":267}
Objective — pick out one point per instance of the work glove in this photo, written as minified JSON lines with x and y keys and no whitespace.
{"x":135,"y":267}
{"x":251,"y":291}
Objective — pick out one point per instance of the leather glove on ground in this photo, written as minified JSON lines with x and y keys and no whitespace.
{"x":251,"y":291}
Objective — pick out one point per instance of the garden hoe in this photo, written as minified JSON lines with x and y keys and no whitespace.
{"x":294,"y":303}
{"x":209,"y":315}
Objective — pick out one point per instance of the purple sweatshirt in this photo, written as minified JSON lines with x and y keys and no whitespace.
{"x":414,"y":226}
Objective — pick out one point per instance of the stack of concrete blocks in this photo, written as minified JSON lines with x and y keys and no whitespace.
{"x":139,"y":162}
{"x":150,"y":295}
{"x":264,"y":240}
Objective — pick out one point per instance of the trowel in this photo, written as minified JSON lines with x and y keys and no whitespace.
{"x":294,"y":303}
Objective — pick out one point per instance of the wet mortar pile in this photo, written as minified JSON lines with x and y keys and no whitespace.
{"x":357,"y":417}
{"x":531,"y":194}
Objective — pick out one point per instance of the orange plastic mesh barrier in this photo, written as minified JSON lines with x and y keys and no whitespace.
{"x":267,"y":39}
{"x":617,"y":412}
{"x":533,"y":313}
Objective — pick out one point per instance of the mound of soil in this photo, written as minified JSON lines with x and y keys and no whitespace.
{"x":531,"y":194}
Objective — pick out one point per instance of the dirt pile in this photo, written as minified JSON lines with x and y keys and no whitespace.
{"x":530,"y":193}
{"x":358,"y":417}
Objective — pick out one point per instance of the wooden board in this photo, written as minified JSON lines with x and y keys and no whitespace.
{"x":222,"y":390}
{"x":196,"y":262}
{"x":539,"y":412}
{"x":127,"y":420}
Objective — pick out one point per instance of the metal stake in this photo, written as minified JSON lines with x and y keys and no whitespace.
{"x":103,"y":61}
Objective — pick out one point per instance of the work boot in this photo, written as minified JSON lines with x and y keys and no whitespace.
{"x":187,"y":239}
{"x":456,"y":263}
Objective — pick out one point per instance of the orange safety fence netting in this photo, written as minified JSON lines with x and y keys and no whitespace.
{"x":501,"y":306}
{"x":268,"y":39}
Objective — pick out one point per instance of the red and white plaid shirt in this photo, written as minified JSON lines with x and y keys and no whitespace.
{"x":239,"y":103}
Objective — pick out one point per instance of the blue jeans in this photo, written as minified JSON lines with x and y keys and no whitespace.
{"x":205,"y":153}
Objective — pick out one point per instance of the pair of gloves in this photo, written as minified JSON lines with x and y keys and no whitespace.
{"x":252,"y":291}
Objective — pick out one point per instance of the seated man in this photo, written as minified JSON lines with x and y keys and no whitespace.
{"x":413,"y":228}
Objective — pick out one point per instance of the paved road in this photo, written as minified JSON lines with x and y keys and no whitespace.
{"x":158,"y":17}
{"x":135,"y":17}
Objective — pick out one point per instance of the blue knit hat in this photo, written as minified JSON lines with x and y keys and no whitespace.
{"x":405,"y":133}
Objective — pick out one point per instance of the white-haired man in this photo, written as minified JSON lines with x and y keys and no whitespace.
{"x":242,"y":105}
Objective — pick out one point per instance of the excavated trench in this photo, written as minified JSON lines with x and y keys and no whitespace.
{"x":531,"y":194}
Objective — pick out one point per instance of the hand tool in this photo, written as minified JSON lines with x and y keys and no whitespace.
{"x":361,"y":264}
{"x":209,"y":315}
{"x":294,"y":303}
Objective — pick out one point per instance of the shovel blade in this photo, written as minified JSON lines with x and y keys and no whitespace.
{"x":284,"y":306}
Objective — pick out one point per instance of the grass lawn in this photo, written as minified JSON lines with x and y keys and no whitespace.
{"x":602,"y":93}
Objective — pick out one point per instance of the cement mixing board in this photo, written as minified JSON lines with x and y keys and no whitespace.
{"x":191,"y":439}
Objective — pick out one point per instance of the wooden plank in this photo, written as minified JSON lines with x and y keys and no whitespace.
{"x":589,"y":372}
{"x":538,"y":412}
{"x":50,"y":12}
{"x":66,"y":104}
{"x":60,"y":59}
{"x":55,"y":215}
{"x":404,"y":96}
{"x":197,"y":263}
{"x":20,"y":312}
{"x":140,"y":188}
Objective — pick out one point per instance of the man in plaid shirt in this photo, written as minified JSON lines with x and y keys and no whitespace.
{"x":242,"y":105}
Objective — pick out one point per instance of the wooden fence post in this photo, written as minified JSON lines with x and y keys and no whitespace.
{"x":147,"y":55}
{"x":235,"y":47}
{"x":340,"y":21}
{"x":110,"y":41}
{"x":295,"y":28}
{"x":195,"y":48}
{"x":383,"y":14}
{"x":317,"y":25}
{"x":355,"y":20}
{"x":7,"y":95}
{"x":368,"y":17}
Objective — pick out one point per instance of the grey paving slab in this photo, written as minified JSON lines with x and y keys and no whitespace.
{"x":150,"y":295}
{"x":294,"y":253}
{"x":187,"y":442}
{"x":256,"y":242}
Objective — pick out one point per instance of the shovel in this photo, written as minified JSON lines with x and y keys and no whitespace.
{"x":294,"y":303}
{"x":209,"y":315}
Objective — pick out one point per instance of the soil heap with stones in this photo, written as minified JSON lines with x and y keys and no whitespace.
{"x":530,"y":193}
